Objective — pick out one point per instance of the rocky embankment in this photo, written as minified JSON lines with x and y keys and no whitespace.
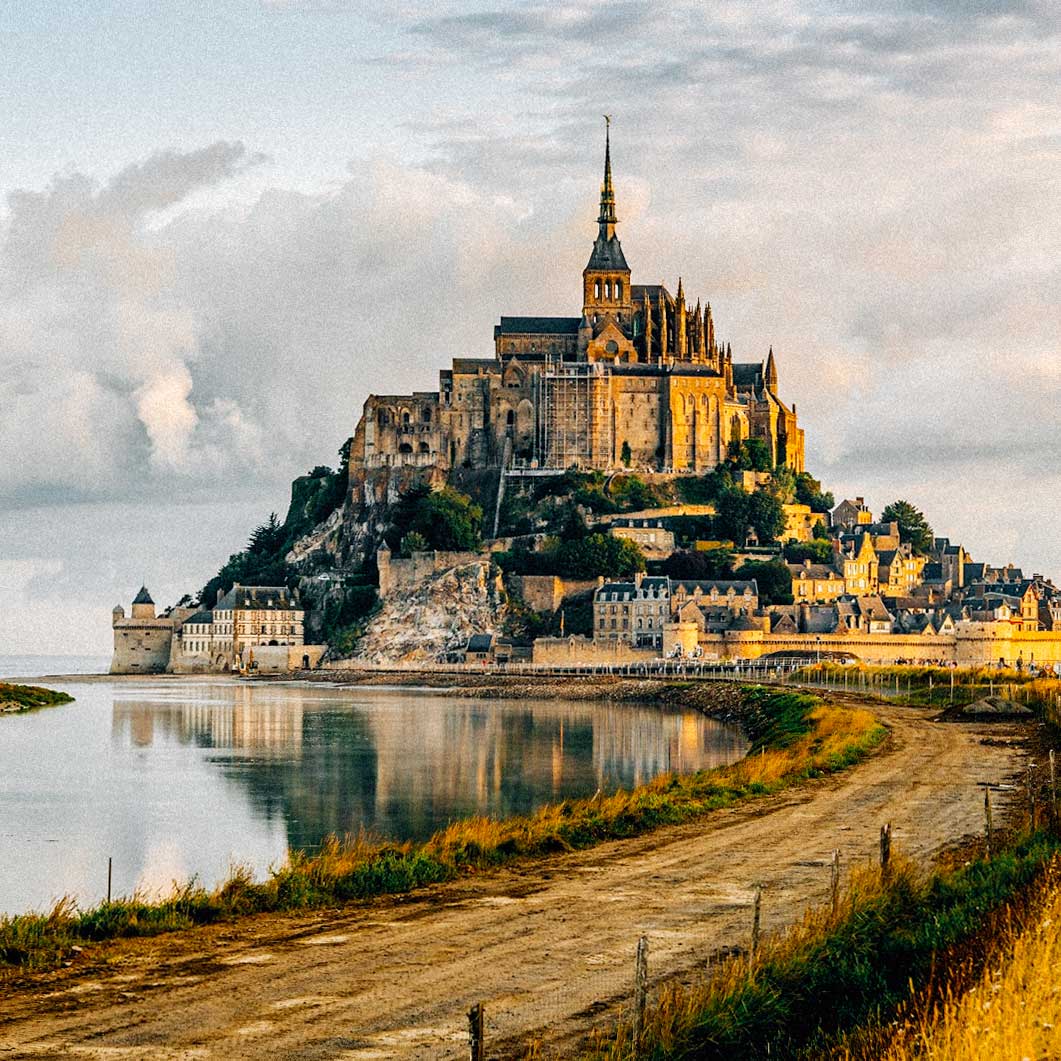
{"x":721,"y":700}
{"x":436,"y":617}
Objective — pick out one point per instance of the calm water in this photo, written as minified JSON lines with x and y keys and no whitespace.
{"x":185,"y":777}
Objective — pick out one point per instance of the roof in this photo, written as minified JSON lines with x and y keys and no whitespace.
{"x":143,"y":597}
{"x":256,"y":597}
{"x":538,"y":326}
{"x":480,"y":642}
{"x":747,"y":375}
{"x":809,"y":570}
{"x":639,"y":291}
{"x":200,"y":617}
{"x":472,"y":365}
{"x":706,"y":586}
{"x":607,"y":254}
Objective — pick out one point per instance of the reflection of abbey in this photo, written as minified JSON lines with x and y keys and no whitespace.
{"x":638,"y":380}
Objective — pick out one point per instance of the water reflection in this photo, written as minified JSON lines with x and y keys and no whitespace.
{"x":178,"y":778}
{"x":402,"y":763}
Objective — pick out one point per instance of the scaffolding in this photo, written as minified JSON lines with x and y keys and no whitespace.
{"x":574,"y":421}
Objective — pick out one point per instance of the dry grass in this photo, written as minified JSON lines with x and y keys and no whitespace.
{"x":1014,"y":1008}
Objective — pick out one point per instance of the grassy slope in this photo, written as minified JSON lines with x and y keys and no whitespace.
{"x":795,"y":737}
{"x":30,"y":696}
{"x":1012,"y":1009}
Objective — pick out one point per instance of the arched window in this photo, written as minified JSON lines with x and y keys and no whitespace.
{"x":619,"y":290}
{"x":405,"y":418}
{"x":424,"y":448}
{"x":405,"y":448}
{"x":607,"y":289}
{"x":510,"y":417}
{"x":427,"y":414}
{"x":596,"y":289}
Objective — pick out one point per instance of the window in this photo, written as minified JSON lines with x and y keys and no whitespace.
{"x":607,"y":289}
{"x":405,"y":418}
{"x":618,"y":290}
{"x":510,"y":418}
{"x":427,"y":415}
{"x":596,"y":289}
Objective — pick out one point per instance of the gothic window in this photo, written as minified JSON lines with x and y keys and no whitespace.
{"x":619,"y":290}
{"x":427,"y":415}
{"x":510,"y":418}
{"x":405,"y":418}
{"x":596,"y":289}
{"x":424,"y":447}
{"x":607,"y":289}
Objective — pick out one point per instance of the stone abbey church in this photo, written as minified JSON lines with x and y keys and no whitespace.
{"x":638,"y":380}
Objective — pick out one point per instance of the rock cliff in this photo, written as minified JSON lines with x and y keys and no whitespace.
{"x":437,"y":617}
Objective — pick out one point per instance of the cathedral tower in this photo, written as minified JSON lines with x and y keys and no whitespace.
{"x":606,"y":278}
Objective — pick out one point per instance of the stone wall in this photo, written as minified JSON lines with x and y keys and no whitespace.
{"x":578,"y":650}
{"x":403,"y":574}
{"x":973,"y":644}
{"x":546,"y":593}
{"x":141,"y":646}
{"x":282,"y":659}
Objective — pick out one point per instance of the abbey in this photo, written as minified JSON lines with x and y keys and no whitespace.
{"x":637,"y":380}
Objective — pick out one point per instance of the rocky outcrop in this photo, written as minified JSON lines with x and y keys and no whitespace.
{"x":437,"y":617}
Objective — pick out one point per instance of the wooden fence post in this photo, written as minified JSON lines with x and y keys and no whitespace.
{"x":477,"y":1032}
{"x":885,"y":847}
{"x":834,"y":886}
{"x":988,"y":831}
{"x":1053,"y":792}
{"x":640,"y":991}
{"x":756,"y":918}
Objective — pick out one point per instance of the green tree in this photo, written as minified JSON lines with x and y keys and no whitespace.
{"x":820,"y":531}
{"x":913,"y":527}
{"x":783,"y":484}
{"x":734,"y":514}
{"x":767,"y":515}
{"x":751,"y":454}
{"x":809,"y":492}
{"x":448,"y":520}
{"x":414,"y":542}
{"x":344,"y":457}
{"x":625,"y":455}
{"x":267,"y":539}
{"x":699,"y":565}
{"x":818,"y":551}
{"x":772,"y":577}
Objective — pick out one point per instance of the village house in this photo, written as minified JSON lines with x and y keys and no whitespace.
{"x":636,"y":611}
{"x":850,"y":514}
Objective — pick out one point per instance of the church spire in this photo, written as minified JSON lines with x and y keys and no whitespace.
{"x":771,"y":371}
{"x":607,"y":218}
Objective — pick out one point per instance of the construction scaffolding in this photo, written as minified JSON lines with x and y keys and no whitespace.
{"x":574,"y":425}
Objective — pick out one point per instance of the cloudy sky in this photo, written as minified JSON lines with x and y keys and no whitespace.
{"x":225,"y":223}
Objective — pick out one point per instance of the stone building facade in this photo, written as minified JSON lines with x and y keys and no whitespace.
{"x":637,"y":611}
{"x":259,"y":626}
{"x":638,"y":379}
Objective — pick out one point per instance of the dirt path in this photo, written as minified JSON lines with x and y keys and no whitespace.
{"x":548,"y":947}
